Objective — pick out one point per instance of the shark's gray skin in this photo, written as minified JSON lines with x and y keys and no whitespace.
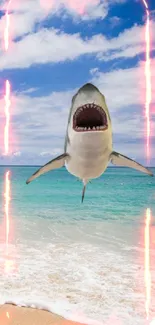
{"x":88,"y":144}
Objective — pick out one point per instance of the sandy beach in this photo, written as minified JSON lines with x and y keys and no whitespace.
{"x":83,"y":263}
{"x":14,"y":315}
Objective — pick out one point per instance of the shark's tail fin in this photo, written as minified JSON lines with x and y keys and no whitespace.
{"x":85,"y":181}
{"x":83,"y":193}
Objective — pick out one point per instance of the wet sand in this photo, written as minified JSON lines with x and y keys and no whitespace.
{"x":14,"y":315}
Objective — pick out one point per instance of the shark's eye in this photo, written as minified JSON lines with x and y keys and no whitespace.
{"x":90,"y":117}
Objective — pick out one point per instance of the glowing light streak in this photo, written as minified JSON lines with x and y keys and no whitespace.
{"x":147,"y":262}
{"x":7,"y":115}
{"x":7,"y":200}
{"x":145,"y":4}
{"x":9,"y":264}
{"x":148,"y":77}
{"x":7,"y":84}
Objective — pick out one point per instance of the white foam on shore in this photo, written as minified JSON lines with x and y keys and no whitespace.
{"x":84,"y":272}
{"x":55,"y":308}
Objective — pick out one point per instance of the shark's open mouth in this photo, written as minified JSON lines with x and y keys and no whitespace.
{"x":90,"y":117}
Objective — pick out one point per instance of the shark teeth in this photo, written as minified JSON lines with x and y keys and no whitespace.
{"x":90,"y":117}
{"x":97,"y":128}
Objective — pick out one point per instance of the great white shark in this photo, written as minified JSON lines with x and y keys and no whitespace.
{"x":88,"y":145}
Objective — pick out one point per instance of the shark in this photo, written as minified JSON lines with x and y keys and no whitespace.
{"x":88,"y":148}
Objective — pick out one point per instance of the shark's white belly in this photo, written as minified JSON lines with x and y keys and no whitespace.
{"x":89,"y":155}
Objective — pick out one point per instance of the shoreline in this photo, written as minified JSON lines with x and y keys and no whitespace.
{"x":11,"y":314}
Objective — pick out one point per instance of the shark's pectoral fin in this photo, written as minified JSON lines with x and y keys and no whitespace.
{"x":120,"y":160}
{"x":53,"y":164}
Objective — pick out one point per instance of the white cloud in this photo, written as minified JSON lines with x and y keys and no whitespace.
{"x":125,"y":86}
{"x":50,"y":45}
{"x":94,"y":71}
{"x":45,"y":153}
{"x":17,"y":154}
{"x":115,"y":21}
{"x":24,"y":17}
{"x":54,"y":152}
{"x":47,"y":46}
{"x":95,"y":11}
{"x":40,"y":122}
{"x":29,"y":90}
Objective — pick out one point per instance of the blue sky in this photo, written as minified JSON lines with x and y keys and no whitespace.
{"x":54,"y":50}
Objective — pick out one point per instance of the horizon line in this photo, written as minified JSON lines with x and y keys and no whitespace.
{"x":64,"y":166}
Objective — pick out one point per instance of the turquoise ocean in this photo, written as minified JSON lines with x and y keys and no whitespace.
{"x":86,"y":261}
